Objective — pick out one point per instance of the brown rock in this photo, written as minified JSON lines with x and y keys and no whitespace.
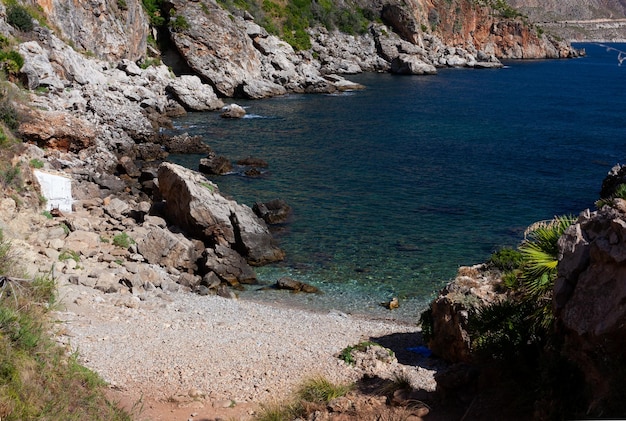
{"x":295,"y":286}
{"x":57,"y":130}
{"x":450,"y":311}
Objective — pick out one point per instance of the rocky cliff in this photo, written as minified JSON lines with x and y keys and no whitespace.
{"x":109,"y":30}
{"x":238,"y":57}
{"x":578,"y":20}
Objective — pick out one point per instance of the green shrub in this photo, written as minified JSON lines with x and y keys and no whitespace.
{"x":346,"y":353}
{"x":320,"y":390}
{"x":179,"y":24}
{"x":8,"y":114}
{"x":154,"y":10}
{"x":38,"y":381}
{"x":20,"y":18}
{"x":7,"y":260}
{"x":36,"y":163}
{"x":506,"y":259}
{"x":69,"y":255}
{"x":290,"y":20}
{"x":4,"y":139}
{"x":11,"y":177}
{"x":619,"y":193}
{"x":122,"y":240}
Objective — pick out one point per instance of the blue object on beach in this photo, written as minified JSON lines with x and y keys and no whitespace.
{"x":421,"y":350}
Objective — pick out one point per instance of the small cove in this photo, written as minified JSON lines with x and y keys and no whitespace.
{"x":396,"y":186}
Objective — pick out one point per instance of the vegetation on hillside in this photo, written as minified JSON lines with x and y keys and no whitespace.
{"x":501,"y":8}
{"x":38,"y":379}
{"x":291,"y":19}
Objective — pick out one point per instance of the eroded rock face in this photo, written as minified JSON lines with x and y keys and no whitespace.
{"x":110,"y":30}
{"x":195,"y":204}
{"x":589,"y":298}
{"x":215,"y":47}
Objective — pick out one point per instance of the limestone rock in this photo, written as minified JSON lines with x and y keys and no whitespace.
{"x":37,"y":67}
{"x":295,"y":286}
{"x":83,"y":242}
{"x":406,"y":64}
{"x":215,"y":165}
{"x":589,"y":298}
{"x":275,"y":211}
{"x":474,"y":287}
{"x":160,"y":246}
{"x":184,"y":144}
{"x":233,"y":111}
{"x":228,"y":265}
{"x":194,"y":204}
{"x":217,"y":48}
{"x":110,"y":31}
{"x":58,"y":130}
{"x":193,"y":94}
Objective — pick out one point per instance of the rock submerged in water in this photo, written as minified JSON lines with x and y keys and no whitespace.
{"x":215,"y":165}
{"x":233,"y":111}
{"x":295,"y":286}
{"x":275,"y":211}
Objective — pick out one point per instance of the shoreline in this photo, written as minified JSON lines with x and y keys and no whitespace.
{"x":182,"y":348}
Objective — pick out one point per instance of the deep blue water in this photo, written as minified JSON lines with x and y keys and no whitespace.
{"x":396,"y":186}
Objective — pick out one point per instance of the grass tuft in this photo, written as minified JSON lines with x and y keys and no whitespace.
{"x":320,"y":390}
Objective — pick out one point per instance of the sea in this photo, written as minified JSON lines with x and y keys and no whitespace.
{"x":396,"y":186}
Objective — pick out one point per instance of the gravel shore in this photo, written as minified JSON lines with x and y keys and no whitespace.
{"x":181,"y":346}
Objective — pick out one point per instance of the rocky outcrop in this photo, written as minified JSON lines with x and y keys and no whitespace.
{"x":194,"y":204}
{"x":215,"y":165}
{"x":589,"y":298}
{"x":233,"y":111}
{"x":505,"y":37}
{"x":217,"y":49}
{"x":58,"y":130}
{"x":193,"y":94}
{"x":109,"y":30}
{"x":473,"y":288}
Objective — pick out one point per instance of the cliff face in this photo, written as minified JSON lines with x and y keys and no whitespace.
{"x":499,"y":32}
{"x":577,"y":20}
{"x":470,"y":24}
{"x":111,"y":30}
{"x":237,"y":57}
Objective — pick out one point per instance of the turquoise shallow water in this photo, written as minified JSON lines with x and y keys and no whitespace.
{"x":396,"y":186}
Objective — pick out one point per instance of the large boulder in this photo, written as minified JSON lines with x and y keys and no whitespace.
{"x":228,"y":265}
{"x":406,"y":64}
{"x":474,"y":287}
{"x":194,"y":203}
{"x":276,"y":211}
{"x":216,"y":46}
{"x":589,"y":297}
{"x":161,"y":246}
{"x":193,"y":94}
